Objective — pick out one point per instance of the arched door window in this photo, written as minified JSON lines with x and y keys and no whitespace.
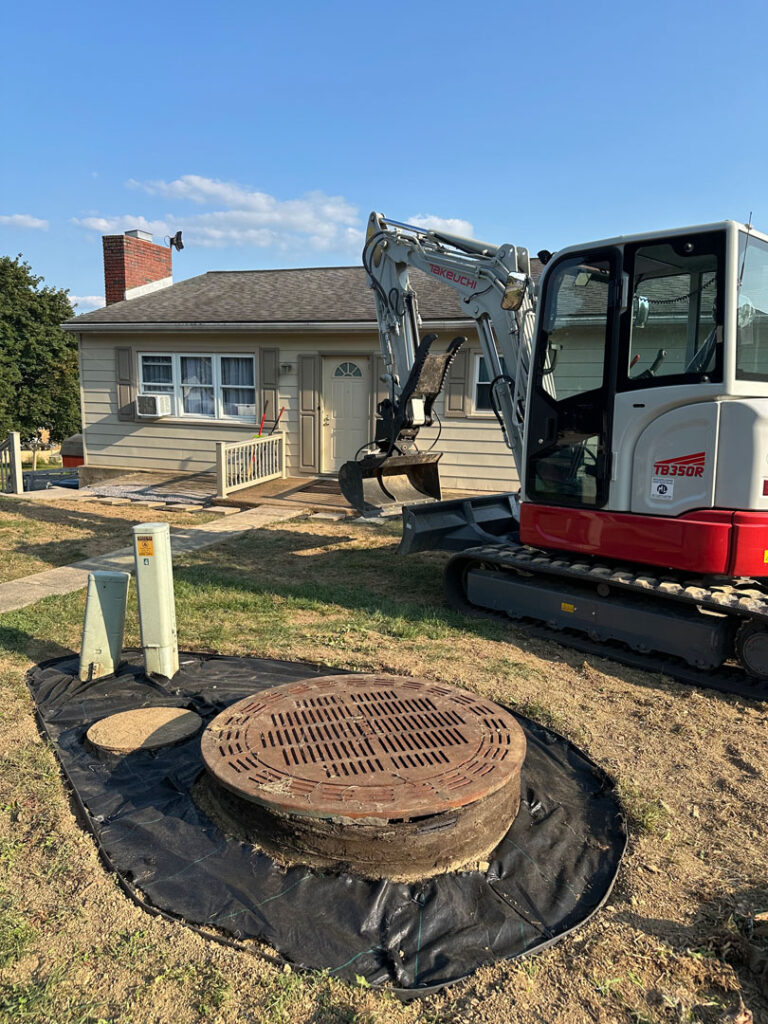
{"x":348,"y":370}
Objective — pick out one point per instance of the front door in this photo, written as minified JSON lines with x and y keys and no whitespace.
{"x":346,"y":409}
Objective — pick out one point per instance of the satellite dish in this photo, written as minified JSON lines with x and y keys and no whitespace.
{"x":176,"y":242}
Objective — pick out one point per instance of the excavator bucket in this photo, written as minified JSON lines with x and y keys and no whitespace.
{"x":377,"y":481}
{"x":459,"y":524}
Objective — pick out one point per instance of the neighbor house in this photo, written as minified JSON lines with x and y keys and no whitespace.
{"x":228,"y":347}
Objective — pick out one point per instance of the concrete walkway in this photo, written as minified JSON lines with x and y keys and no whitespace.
{"x":68,"y":578}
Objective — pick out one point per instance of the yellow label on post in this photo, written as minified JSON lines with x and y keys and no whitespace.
{"x":566,"y":607}
{"x":765,"y":557}
{"x":145,"y":546}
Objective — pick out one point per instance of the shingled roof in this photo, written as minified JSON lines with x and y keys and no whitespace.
{"x":313,"y":295}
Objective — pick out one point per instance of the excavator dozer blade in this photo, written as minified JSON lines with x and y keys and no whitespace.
{"x":460,"y":523}
{"x":378,"y":481}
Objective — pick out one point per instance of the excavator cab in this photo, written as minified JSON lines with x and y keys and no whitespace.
{"x":623,"y":333}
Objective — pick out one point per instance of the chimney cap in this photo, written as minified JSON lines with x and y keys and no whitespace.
{"x":145,"y":236}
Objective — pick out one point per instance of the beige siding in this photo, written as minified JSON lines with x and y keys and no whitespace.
{"x":475,"y":457}
{"x":474,"y":454}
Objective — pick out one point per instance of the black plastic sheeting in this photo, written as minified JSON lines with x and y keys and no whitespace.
{"x":552,"y":871}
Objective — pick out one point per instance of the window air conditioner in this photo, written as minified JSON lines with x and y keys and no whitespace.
{"x":151,"y":407}
{"x":245,"y":410}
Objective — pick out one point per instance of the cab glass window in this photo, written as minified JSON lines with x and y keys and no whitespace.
{"x":752,"y":306}
{"x":674,"y":320}
{"x":575,"y":322}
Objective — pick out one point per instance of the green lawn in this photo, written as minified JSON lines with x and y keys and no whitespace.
{"x":674,"y":944}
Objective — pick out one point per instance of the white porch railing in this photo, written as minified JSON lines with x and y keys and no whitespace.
{"x":247,"y":463}
{"x":11,"y":479}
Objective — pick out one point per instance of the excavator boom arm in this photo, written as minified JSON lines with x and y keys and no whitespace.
{"x":496,"y":291}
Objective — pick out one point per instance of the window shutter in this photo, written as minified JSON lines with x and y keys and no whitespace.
{"x":268,"y":368}
{"x":309,"y":398}
{"x":126,"y":384}
{"x":458,"y":385}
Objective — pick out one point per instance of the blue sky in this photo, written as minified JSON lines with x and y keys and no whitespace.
{"x":267,"y":132}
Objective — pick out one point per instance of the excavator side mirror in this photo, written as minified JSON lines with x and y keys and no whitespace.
{"x":641,"y":310}
{"x":514,"y":292}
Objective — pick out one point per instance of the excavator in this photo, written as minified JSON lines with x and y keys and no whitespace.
{"x":630,"y":382}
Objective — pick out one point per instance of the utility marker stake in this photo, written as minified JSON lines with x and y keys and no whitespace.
{"x":157,"y":610}
{"x":103,"y":625}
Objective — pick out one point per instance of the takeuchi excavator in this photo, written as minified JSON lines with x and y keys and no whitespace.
{"x":631,"y":385}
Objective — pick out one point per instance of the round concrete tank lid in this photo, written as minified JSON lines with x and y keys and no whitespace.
{"x":143,"y":729}
{"x":373,"y":747}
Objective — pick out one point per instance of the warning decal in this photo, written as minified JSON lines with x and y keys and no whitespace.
{"x":662,"y":488}
{"x":145,"y":546}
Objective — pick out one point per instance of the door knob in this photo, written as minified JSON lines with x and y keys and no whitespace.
{"x":326,"y":421}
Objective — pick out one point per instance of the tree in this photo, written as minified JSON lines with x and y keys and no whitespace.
{"x":39,"y":376}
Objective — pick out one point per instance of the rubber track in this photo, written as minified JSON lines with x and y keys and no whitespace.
{"x":747,"y":600}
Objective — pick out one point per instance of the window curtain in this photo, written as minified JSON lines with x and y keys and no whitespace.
{"x":157,"y":374}
{"x":237,"y":384}
{"x":197,"y":385}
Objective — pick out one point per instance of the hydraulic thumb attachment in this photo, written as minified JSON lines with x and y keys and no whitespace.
{"x":392,"y":470}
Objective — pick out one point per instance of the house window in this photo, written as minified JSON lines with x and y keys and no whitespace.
{"x":157,"y":374}
{"x":238,"y":387}
{"x":203,"y":386}
{"x":348,"y":370}
{"x":198,"y":396}
{"x":483,"y":384}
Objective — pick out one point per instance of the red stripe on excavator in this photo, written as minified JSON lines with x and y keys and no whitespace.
{"x":708,"y":541}
{"x":699,"y":458}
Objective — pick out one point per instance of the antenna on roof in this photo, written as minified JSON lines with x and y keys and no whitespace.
{"x":744,"y":257}
{"x":176,"y":242}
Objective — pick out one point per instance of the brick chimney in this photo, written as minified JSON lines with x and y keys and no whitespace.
{"x":134,"y":265}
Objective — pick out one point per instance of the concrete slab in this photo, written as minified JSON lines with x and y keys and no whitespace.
{"x":52,"y":494}
{"x":28,"y":590}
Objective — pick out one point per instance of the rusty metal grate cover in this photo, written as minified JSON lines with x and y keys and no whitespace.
{"x":364,"y":746}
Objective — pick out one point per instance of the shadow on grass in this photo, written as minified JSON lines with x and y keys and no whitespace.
{"x":377,"y":581}
{"x":372,"y":581}
{"x":19,"y":641}
{"x":55,"y":552}
{"x":74,"y":515}
{"x":101,"y":532}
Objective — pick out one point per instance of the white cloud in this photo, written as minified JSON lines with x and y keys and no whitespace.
{"x":123,"y":222}
{"x":23,"y":220}
{"x":451,"y":225}
{"x":235,"y":214}
{"x":87,"y":302}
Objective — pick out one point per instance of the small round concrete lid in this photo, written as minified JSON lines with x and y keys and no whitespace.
{"x":143,"y":729}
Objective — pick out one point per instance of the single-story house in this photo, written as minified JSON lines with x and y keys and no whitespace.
{"x":227,"y":347}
